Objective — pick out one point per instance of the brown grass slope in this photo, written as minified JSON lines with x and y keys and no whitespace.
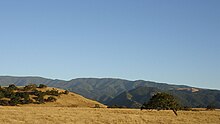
{"x":66,"y":100}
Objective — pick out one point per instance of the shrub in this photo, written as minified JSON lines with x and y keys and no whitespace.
{"x":30,"y":87}
{"x":4,"y":102}
{"x":39,"y":96}
{"x":66,"y":92}
{"x":2,"y":95}
{"x":116,"y":106}
{"x":12,"y":87}
{"x":9,"y":94}
{"x":51,"y":99}
{"x":26,"y":101}
{"x":186,"y":108}
{"x":39,"y":93}
{"x":25,"y":98}
{"x":53,"y":92}
{"x":14,"y":101}
{"x":42,"y":86}
{"x":39,"y":99}
{"x":97,"y":106}
{"x":210,"y":107}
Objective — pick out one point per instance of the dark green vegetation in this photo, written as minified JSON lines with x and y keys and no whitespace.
{"x":162,"y":101}
{"x":124,"y":93}
{"x":13,"y":95}
{"x":187,"y":99}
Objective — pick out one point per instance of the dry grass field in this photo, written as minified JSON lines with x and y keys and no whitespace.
{"x":70,"y":115}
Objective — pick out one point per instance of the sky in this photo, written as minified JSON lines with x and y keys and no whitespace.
{"x":172,"y":41}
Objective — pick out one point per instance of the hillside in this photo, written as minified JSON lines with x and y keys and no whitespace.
{"x":186,"y":97}
{"x":134,"y":98}
{"x":102,"y":90}
{"x":43,"y":96}
{"x":69,"y":100}
{"x":110,"y":91}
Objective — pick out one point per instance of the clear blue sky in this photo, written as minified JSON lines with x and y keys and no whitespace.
{"x":172,"y":41}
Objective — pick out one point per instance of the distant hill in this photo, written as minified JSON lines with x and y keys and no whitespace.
{"x":135,"y":97}
{"x":33,"y":95}
{"x":70,"y":100}
{"x":22,"y":81}
{"x":189,"y":97}
{"x":111,"y":91}
{"x":102,"y":90}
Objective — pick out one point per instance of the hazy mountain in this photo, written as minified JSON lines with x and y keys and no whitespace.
{"x":122,"y":92}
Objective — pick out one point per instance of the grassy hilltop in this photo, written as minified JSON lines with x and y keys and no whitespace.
{"x":33,"y":95}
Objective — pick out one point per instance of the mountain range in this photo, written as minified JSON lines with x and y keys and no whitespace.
{"x":121,"y":92}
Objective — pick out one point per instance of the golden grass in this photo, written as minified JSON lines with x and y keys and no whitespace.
{"x":70,"y":100}
{"x":70,"y":115}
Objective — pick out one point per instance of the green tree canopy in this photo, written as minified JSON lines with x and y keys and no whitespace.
{"x":162,"y":101}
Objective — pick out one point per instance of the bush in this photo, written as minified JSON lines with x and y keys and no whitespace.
{"x":39,"y":93}
{"x":12,"y":87}
{"x":210,"y":107}
{"x":4,"y":102}
{"x":26,"y":101}
{"x":186,"y":108}
{"x":40,"y":99}
{"x":9,"y":94}
{"x":14,"y":101}
{"x":53,"y":92}
{"x":40,"y":96}
{"x":25,"y":98}
{"x":30,"y":87}
{"x":116,"y":106}
{"x":97,"y":106}
{"x":66,"y":92}
{"x":42,"y":86}
{"x":2,"y":95}
{"x":51,"y":99}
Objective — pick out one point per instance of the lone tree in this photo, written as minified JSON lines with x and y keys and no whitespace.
{"x":162,"y":101}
